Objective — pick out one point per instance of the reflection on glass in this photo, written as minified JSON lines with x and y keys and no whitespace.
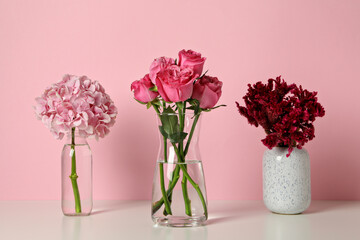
{"x":191,"y":233}
{"x":285,"y":227}
{"x":71,"y":228}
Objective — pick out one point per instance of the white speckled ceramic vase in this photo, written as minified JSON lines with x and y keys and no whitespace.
{"x":286,"y":180}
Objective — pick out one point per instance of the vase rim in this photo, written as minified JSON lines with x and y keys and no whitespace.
{"x":176,"y":114}
{"x":294,"y":147}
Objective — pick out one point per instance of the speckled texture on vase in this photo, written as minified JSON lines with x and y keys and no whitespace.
{"x":286,"y":180}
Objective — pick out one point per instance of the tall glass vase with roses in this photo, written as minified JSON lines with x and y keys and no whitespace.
{"x":79,"y":108}
{"x":179,"y":93}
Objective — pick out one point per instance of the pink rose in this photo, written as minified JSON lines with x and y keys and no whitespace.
{"x":175,"y":84}
{"x":158,"y":65}
{"x":208,"y":91}
{"x":141,"y":90}
{"x":192,"y":60}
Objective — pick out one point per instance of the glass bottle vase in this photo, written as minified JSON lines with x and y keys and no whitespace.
{"x":76,"y":176}
{"x":179,"y":192}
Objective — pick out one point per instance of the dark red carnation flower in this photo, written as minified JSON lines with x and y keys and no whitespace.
{"x":286,"y":112}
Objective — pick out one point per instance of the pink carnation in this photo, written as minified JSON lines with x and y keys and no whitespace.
{"x":76,"y":102}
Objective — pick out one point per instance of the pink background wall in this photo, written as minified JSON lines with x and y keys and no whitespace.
{"x":313,"y":43}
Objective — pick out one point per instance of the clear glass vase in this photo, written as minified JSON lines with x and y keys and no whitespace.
{"x":76,"y":176}
{"x":179,"y":192}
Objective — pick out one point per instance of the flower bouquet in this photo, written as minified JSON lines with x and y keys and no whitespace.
{"x":179,"y":92}
{"x":80,"y":108}
{"x":286,"y":112}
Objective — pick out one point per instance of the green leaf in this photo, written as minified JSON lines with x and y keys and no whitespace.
{"x":156,"y":102}
{"x":140,"y":102}
{"x":175,"y":61}
{"x":169,"y":121}
{"x":153,"y":89}
{"x":180,"y":105}
{"x":195,"y":105}
{"x":203,"y":74}
{"x":209,"y":109}
{"x":162,"y":131}
{"x":148,"y":105}
{"x":193,"y":102}
{"x":177,"y":137}
{"x":169,"y":110}
{"x":222,"y":105}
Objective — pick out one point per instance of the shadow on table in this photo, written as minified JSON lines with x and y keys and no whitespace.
{"x":112,"y":206}
{"x":322,"y":206}
{"x":230,"y":212}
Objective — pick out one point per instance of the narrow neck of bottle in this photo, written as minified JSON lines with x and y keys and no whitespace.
{"x":75,"y":138}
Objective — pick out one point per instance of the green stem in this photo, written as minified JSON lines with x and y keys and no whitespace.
{"x":195,"y":185}
{"x":156,"y":109}
{"x":197,"y":188}
{"x":187,"y":200}
{"x":166,"y":200}
{"x":167,"y":210}
{"x":161,"y":168}
{"x":191,"y":133}
{"x":182,"y":109}
{"x":165,"y":149}
{"x":73,"y":175}
{"x":184,"y":180}
{"x":157,"y":205}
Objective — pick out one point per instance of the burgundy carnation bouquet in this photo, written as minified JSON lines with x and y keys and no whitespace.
{"x":286,"y":112}
{"x":175,"y":88}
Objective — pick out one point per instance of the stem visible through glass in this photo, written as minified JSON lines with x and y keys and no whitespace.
{"x":195,"y":185}
{"x":191,"y":134}
{"x":74,"y":175}
{"x":182,"y":109}
{"x":161,"y":169}
{"x":175,"y":177}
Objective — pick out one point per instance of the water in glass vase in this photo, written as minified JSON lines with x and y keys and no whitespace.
{"x":184,"y":185}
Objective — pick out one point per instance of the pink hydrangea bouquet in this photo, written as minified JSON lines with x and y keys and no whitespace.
{"x":175,"y":88}
{"x":76,"y":103}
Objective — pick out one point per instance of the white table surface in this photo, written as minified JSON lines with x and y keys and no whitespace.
{"x":130,"y":220}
